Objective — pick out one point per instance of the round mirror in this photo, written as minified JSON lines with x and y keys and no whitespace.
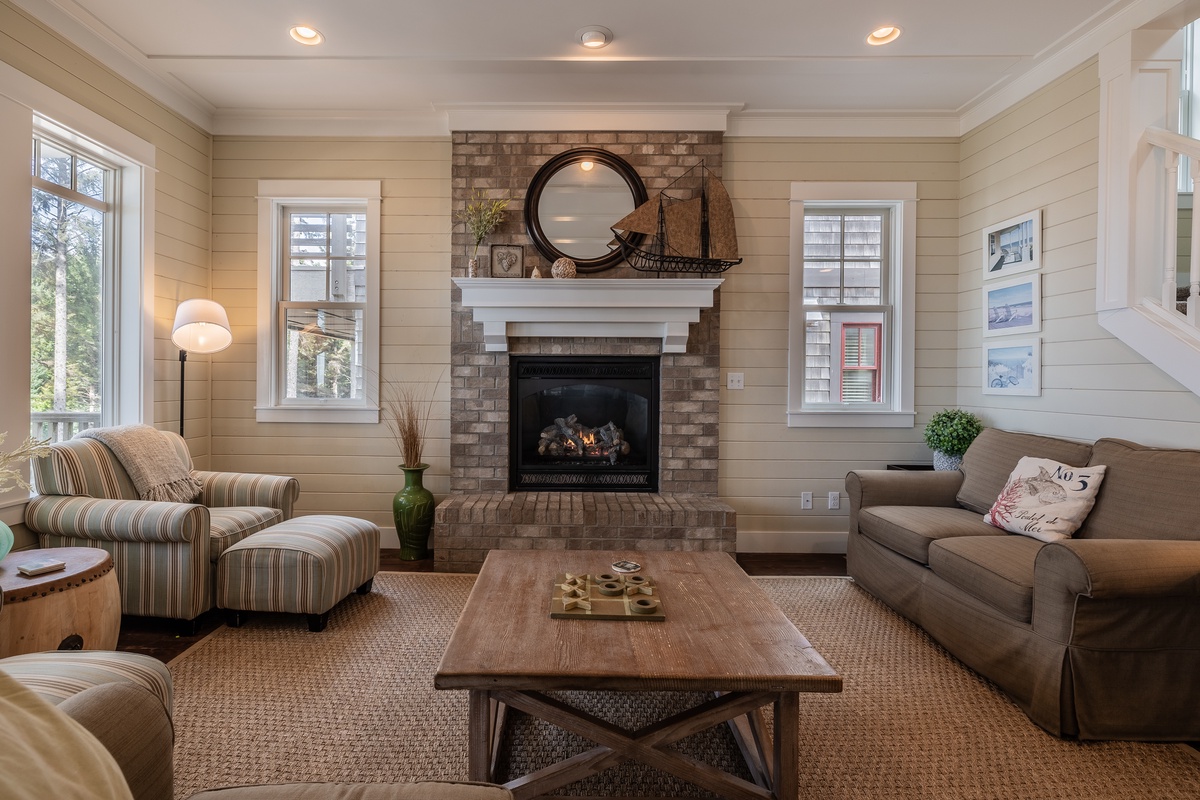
{"x":573,"y":201}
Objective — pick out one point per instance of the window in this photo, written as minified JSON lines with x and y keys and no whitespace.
{"x":319,"y":261}
{"x":88,"y":366}
{"x":851,"y":341}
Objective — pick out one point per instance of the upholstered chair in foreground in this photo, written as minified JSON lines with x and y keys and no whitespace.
{"x":164,"y":553}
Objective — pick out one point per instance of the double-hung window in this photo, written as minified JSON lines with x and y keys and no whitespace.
{"x":851,"y":348}
{"x":322,"y":286}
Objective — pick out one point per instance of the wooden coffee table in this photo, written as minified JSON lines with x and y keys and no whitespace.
{"x":722,"y":636}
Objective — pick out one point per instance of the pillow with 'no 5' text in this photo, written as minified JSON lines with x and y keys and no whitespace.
{"x":1045,"y":499}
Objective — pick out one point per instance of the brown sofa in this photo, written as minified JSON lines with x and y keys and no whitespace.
{"x":1097,"y":636}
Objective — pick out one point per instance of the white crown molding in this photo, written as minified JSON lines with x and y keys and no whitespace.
{"x":588,"y":116}
{"x":77,"y":26}
{"x":779,"y":124}
{"x":1002,"y":96}
{"x":236,"y":122}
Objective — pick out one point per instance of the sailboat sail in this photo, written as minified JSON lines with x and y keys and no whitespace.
{"x":692,"y":235}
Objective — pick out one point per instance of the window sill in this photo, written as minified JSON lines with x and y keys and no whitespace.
{"x":851,"y":419}
{"x":317,"y":414}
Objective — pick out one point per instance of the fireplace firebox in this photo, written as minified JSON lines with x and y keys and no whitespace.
{"x":584,"y":423}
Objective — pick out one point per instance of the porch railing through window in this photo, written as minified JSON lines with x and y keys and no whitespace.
{"x":1180,"y":293}
{"x":58,"y":426}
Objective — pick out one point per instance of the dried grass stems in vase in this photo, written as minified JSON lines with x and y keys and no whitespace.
{"x":10,"y":474}
{"x":482,"y":215}
{"x":30,"y":449}
{"x":409,"y":408}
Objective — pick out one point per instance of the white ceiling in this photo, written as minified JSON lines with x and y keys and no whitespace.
{"x":222,"y":60}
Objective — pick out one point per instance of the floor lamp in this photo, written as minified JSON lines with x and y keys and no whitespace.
{"x":201,"y":326}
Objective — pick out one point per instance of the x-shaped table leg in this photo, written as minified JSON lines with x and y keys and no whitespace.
{"x":650,"y":745}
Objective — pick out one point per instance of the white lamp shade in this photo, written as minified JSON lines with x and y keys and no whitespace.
{"x":201,"y":326}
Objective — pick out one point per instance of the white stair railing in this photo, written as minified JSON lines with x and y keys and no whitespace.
{"x":1176,"y":147}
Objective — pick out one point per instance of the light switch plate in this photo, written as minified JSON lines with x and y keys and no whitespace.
{"x":805,"y":500}
{"x":835,"y":500}
{"x":735,"y":380}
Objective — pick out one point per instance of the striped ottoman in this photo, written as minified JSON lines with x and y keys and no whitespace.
{"x":305,"y":565}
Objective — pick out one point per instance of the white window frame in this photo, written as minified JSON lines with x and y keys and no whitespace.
{"x":900,"y":198}
{"x":273,"y":196}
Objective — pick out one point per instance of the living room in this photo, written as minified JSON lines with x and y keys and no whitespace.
{"x":1033,"y":137}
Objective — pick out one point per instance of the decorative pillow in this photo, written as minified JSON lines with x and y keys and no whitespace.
{"x":1045,"y":499}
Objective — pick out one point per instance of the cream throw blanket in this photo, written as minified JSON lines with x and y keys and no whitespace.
{"x":151,"y":460}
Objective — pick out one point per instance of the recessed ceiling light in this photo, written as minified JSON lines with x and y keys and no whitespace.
{"x":306,"y":35}
{"x":884,"y":35}
{"x":594,"y":37}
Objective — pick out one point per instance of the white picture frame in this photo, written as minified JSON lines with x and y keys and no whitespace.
{"x":1013,"y":367}
{"x":1012,"y":306}
{"x":1012,"y":246}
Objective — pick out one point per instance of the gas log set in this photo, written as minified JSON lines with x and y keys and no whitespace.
{"x":569,"y":438}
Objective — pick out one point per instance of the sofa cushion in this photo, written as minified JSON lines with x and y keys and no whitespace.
{"x":1046,"y":500}
{"x":908,"y":530}
{"x":1148,"y":493}
{"x":46,"y":754}
{"x":228,"y":526}
{"x":997,"y":570}
{"x":992,"y":456}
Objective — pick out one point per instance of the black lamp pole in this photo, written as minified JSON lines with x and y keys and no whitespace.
{"x":182,"y":363}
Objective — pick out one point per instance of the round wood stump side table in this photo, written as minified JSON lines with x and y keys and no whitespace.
{"x":77,"y":608}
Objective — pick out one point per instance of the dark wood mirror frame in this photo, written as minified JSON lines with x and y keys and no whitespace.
{"x":533,"y":225}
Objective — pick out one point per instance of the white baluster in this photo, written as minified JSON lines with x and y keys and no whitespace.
{"x":1194,"y":260}
{"x":1171,"y":251}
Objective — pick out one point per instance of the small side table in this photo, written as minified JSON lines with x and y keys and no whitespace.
{"x":77,"y":608}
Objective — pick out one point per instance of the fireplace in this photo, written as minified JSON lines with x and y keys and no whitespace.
{"x":584,"y":423}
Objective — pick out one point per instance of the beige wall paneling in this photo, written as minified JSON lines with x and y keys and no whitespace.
{"x":764,"y":464}
{"x":343,"y":468}
{"x":1043,"y":153}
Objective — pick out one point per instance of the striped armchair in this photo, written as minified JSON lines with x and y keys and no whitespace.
{"x":164,"y":553}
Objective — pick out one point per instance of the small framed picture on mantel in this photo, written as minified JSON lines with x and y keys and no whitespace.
{"x":508,"y":261}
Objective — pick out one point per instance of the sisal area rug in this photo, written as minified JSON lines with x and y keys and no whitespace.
{"x":270,"y":702}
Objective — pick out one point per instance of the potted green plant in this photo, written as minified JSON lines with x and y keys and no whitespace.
{"x":949,"y":433}
{"x":481,"y":215}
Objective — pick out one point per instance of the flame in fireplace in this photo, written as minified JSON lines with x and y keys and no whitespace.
{"x":568,"y":437}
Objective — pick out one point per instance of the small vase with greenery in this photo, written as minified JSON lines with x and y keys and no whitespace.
{"x":10,"y":474}
{"x":409,"y":408}
{"x":949,"y":433}
{"x":482,"y":215}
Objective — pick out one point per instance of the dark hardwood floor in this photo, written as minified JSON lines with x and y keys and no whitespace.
{"x":164,"y":639}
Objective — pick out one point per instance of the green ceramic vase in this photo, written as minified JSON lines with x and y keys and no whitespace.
{"x":6,"y":539}
{"x":412,"y":508}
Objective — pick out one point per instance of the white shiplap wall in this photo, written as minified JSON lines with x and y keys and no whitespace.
{"x":1043,"y":153}
{"x":182,"y":161}
{"x":764,"y":464}
{"x":342,"y":468}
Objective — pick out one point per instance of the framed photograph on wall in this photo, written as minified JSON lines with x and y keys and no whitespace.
{"x":508,"y":261}
{"x":1012,"y":246}
{"x":1012,"y":306}
{"x":1013,"y":366}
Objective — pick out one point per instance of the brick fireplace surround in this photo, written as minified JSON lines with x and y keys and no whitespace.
{"x":480,"y":513}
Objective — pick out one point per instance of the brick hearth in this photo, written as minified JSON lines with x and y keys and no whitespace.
{"x":480,"y":514}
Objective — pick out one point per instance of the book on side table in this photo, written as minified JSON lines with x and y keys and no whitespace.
{"x":41,"y":566}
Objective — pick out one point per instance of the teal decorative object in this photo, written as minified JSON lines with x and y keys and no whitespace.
{"x":6,"y":539}
{"x":412,"y":509}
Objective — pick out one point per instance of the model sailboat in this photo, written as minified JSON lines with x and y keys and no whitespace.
{"x":692,"y":235}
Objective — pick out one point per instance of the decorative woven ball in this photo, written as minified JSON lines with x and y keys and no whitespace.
{"x":563,"y":268}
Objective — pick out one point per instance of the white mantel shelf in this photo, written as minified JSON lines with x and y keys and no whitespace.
{"x":623,"y":308}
